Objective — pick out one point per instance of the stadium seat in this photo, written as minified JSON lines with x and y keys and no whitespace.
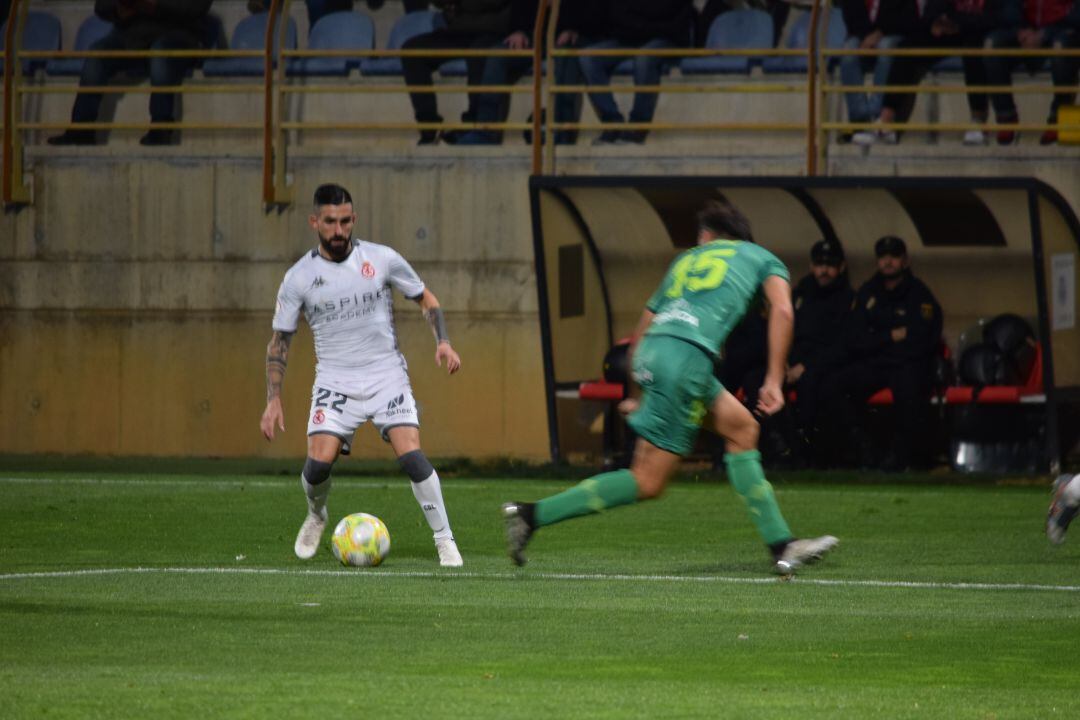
{"x":799,"y":38}
{"x":752,"y":29}
{"x":337,"y":31}
{"x":249,"y":34}
{"x":407,"y":26}
{"x":90,"y":31}
{"x":41,"y":32}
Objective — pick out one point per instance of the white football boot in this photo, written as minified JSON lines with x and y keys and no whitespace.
{"x":307,"y":540}
{"x":803,"y":552}
{"x":1063,"y":508}
{"x":448,"y":553}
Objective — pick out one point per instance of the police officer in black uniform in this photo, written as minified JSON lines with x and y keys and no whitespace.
{"x":895,"y":333}
{"x":822,"y":301}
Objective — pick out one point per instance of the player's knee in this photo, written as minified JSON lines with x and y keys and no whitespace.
{"x":316,"y":472}
{"x":744,"y":436}
{"x":649,"y":486}
{"x":416,"y":465}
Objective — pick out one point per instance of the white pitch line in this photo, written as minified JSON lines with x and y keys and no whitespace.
{"x":524,"y":575}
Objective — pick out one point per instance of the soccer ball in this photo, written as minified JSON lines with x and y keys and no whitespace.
{"x":361,"y":539}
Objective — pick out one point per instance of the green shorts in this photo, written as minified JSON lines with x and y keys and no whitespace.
{"x":678,"y":386}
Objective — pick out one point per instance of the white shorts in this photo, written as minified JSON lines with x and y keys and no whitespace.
{"x":386,"y":400}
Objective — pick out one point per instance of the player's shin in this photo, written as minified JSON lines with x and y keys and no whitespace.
{"x":748,"y":478}
{"x":316,"y":483}
{"x":598,"y":493}
{"x":428,"y":492}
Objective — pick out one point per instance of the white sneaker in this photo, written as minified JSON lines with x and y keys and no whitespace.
{"x":974,"y":137}
{"x":448,"y":553}
{"x":1063,"y":509}
{"x":307,"y":540}
{"x":803,"y":552}
{"x":864,"y":138}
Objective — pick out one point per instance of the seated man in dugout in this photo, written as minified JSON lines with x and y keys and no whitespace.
{"x":140,"y":25}
{"x":1045,"y":24}
{"x":946,"y":24}
{"x":894,"y":333}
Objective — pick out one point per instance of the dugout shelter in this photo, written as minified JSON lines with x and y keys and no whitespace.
{"x":985,"y":246}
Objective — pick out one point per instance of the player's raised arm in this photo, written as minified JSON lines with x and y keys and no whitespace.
{"x":781,"y":329}
{"x":429,"y":306}
{"x":277,"y":357}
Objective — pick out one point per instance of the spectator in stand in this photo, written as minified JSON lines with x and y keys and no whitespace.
{"x":470,"y":24}
{"x":645,"y":24}
{"x":777,"y":9}
{"x":140,"y":25}
{"x":1045,"y":23}
{"x":580,"y":22}
{"x":946,"y":24}
{"x":894,"y":334}
{"x":822,"y":302}
{"x":880,"y":24}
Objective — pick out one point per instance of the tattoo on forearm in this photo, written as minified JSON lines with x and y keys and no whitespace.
{"x":277,"y":357}
{"x":435,"y":319}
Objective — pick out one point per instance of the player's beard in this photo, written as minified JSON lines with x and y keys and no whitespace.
{"x":336,"y":246}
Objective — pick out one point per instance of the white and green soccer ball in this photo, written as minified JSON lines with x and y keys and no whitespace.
{"x":361,"y":540}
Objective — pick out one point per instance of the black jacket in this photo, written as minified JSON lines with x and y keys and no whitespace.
{"x":636,"y":22}
{"x":476,"y":16}
{"x":586,"y":17}
{"x":878,"y":311}
{"x":822,"y":315}
{"x":894,"y":17}
{"x":185,"y":17}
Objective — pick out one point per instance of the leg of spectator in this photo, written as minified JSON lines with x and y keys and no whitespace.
{"x":568,"y":105}
{"x":999,"y":72}
{"x":882,"y":66}
{"x":418,"y":73}
{"x":490,"y":106}
{"x":975,"y":77}
{"x":1064,"y":71}
{"x":95,"y":73}
{"x":165,"y":72}
{"x":597,"y":71}
{"x":474,"y":71}
{"x":647,"y":71}
{"x":851,"y":75}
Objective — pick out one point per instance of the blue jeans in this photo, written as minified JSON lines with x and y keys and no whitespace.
{"x":1063,"y":70}
{"x":597,"y":71}
{"x":865,"y":107}
{"x":494,"y":107}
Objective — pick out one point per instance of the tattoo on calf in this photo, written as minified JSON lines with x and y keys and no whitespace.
{"x":277,"y":358}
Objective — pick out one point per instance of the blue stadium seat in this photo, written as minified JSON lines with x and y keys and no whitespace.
{"x":337,"y":31}
{"x":407,"y":26}
{"x":90,"y":31}
{"x":41,"y":32}
{"x":249,"y":34}
{"x":752,"y":29}
{"x":799,"y":37}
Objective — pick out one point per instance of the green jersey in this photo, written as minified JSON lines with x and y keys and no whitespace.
{"x":707,"y":289}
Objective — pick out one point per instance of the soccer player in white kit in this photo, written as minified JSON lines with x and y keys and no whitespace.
{"x":343,"y":287}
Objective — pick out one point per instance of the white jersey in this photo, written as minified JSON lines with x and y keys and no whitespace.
{"x":349,"y":307}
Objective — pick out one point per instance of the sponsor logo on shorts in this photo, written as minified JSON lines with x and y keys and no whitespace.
{"x":396,"y":406}
{"x":319,"y":417}
{"x":367,"y":270}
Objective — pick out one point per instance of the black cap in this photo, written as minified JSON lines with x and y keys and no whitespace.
{"x":890,"y":245}
{"x":827,"y":252}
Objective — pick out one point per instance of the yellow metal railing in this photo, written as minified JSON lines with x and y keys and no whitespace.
{"x":275,"y":87}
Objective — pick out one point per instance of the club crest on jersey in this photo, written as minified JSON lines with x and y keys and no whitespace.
{"x":319,"y":417}
{"x":367,"y":270}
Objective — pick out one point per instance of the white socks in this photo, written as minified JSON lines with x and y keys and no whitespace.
{"x":316,"y":496}
{"x":429,"y":495}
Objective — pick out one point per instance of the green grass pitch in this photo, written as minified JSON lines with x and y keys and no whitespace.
{"x":178,"y":596}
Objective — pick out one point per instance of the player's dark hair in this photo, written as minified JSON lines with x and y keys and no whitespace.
{"x":722,"y":218}
{"x":331,"y":194}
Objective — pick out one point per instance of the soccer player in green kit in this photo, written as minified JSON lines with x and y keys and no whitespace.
{"x":703,"y":296}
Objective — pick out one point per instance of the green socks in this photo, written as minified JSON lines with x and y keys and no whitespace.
{"x":588,"y":496}
{"x":748,"y":478}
